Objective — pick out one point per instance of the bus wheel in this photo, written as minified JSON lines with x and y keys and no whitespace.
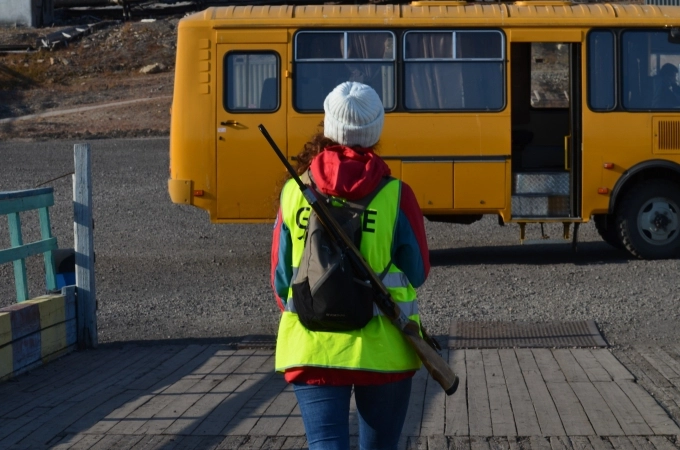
{"x":606,"y":227}
{"x":649,"y":220}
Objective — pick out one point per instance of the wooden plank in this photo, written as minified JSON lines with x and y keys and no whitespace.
{"x":213,"y":401}
{"x":231,"y":442}
{"x":547,"y":364}
{"x":499,"y":443}
{"x":216,"y":410}
{"x":293,"y":426}
{"x":416,"y":443}
{"x":653,"y":414}
{"x":546,"y":412}
{"x":479,"y":412}
{"x":600,"y":443}
{"x":275,"y":415}
{"x":539,"y":443}
{"x":652,"y":381}
{"x":437,"y":441}
{"x":523,"y":409}
{"x":571,"y":413}
{"x":628,"y":416}
{"x":116,"y":442}
{"x":661,"y":443}
{"x":273,"y":442}
{"x":479,"y":443}
{"x":414,"y":414}
{"x":459,"y":442}
{"x":67,"y":442}
{"x":621,"y":443}
{"x":659,"y":364}
{"x":249,"y":415}
{"x":156,"y":442}
{"x":590,"y":365}
{"x":42,"y":389}
{"x":87,"y":442}
{"x":502,"y":419}
{"x":601,"y":417}
{"x":180,"y":364}
{"x":572,"y":371}
{"x":612,"y":365}
{"x":294,"y":442}
{"x":641,"y":443}
{"x":456,"y":404}
{"x":560,"y":443}
{"x":174,"y":410}
{"x":46,"y":234}
{"x":433,"y":420}
{"x":15,"y":239}
{"x":25,"y":200}
{"x":580,"y":443}
{"x":83,"y":243}
{"x":670,"y":358}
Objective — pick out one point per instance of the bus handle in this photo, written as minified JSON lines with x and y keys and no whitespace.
{"x":567,"y":145}
{"x":229,"y":122}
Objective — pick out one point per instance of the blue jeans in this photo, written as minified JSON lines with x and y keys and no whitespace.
{"x":381,"y":408}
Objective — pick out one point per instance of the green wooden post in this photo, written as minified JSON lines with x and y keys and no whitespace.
{"x":15,"y":240}
{"x":46,"y":234}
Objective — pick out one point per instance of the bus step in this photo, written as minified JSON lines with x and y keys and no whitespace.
{"x":528,"y":205}
{"x":541,"y":183}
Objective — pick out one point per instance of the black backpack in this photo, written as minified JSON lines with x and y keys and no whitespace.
{"x":327,"y":295}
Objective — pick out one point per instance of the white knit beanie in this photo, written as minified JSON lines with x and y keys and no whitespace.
{"x":354,"y":115}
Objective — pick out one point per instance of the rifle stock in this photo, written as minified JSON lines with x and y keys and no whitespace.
{"x":433,"y":362}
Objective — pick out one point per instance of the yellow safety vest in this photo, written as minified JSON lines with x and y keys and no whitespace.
{"x":379,"y":346}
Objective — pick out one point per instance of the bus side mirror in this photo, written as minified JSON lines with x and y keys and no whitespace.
{"x":674,"y":35}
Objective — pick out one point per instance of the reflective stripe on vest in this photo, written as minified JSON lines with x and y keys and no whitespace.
{"x":379,"y":346}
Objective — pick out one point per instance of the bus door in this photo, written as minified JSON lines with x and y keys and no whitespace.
{"x":546,"y":130}
{"x":250,"y":91}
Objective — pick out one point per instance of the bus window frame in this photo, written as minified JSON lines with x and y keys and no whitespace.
{"x":394,"y":61}
{"x":225,"y":82}
{"x":618,"y":87}
{"x":403,"y":61}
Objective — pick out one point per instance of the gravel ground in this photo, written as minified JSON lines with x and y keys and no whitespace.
{"x":165,"y":272}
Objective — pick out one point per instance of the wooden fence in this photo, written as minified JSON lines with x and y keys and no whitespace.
{"x":43,"y":328}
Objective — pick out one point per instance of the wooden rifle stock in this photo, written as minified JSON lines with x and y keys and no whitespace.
{"x":433,"y":362}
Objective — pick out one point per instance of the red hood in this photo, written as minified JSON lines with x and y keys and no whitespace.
{"x":343,"y":172}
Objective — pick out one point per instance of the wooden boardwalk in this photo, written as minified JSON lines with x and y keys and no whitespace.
{"x":212,"y":396}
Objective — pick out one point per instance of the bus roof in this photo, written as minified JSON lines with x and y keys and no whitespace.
{"x":427,"y":13}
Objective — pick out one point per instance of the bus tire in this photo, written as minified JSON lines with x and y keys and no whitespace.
{"x":605,"y":224}
{"x":648,"y":221}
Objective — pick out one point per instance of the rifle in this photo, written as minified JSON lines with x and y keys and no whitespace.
{"x":433,"y":362}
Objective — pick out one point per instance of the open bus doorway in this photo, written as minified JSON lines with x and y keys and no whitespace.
{"x":545,"y":112}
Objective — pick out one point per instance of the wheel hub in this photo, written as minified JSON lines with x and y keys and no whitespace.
{"x":658,"y":221}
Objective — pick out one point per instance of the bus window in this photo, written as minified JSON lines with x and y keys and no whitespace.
{"x":454,"y":70}
{"x":324,"y":59}
{"x":650,"y":67}
{"x":601,"y":75}
{"x":252,"y":82}
{"x":549,"y":75}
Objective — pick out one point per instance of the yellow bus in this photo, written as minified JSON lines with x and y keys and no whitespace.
{"x":534,"y":111}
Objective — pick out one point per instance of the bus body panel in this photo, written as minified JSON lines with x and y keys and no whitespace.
{"x":458,"y":162}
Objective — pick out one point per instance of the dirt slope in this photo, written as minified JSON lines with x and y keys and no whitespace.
{"x":102,"y":67}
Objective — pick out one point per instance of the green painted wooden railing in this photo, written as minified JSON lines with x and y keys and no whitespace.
{"x":13,"y":203}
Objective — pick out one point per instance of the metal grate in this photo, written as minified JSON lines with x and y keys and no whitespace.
{"x":669,"y":135}
{"x":519,"y":334}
